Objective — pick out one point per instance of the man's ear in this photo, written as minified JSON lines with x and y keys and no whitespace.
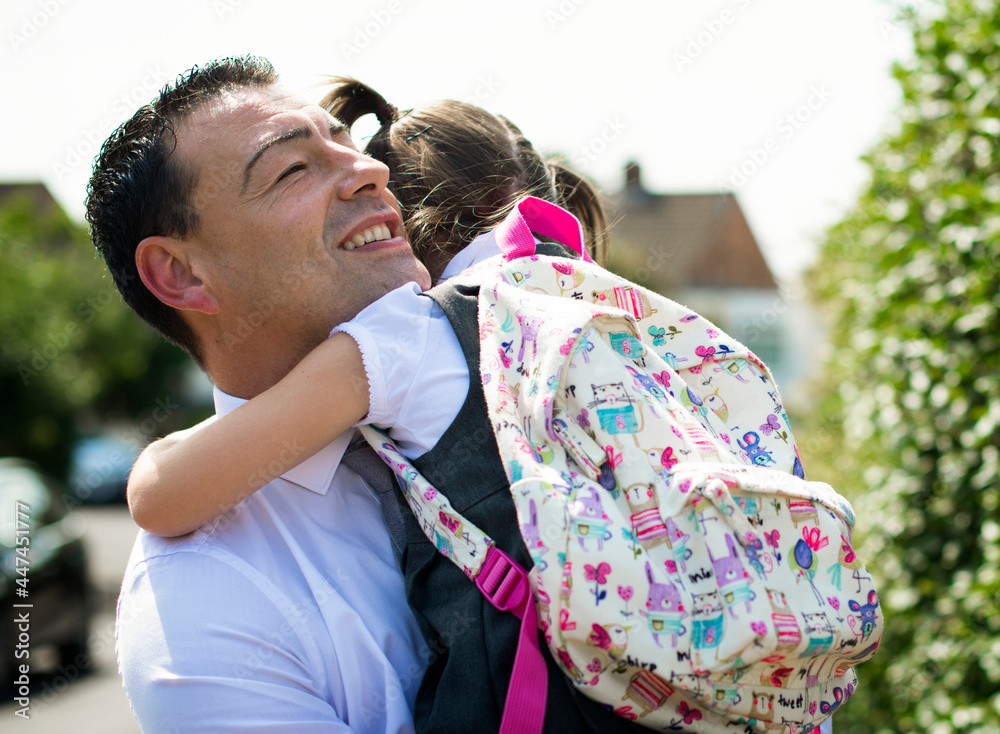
{"x":167,"y":272}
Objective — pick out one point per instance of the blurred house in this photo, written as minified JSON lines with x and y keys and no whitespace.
{"x":41,"y":201}
{"x":699,"y":250}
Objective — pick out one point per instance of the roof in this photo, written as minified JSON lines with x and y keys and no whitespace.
{"x":686,"y":240}
{"x":36,"y":193}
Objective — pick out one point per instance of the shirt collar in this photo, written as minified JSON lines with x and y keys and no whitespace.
{"x":316,"y":472}
{"x":481,"y":248}
{"x":484,"y":246}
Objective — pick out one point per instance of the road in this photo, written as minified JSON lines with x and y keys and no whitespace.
{"x":95,"y":703}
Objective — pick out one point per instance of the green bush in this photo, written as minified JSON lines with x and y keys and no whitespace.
{"x":71,"y":353}
{"x":911,"y":284}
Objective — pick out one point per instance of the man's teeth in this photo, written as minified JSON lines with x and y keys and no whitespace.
{"x":378,"y":232}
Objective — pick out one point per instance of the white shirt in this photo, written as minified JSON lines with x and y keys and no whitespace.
{"x":481,"y":248}
{"x":287,"y":614}
{"x":418,"y":378}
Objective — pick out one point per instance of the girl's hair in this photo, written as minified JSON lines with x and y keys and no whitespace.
{"x":457,"y":170}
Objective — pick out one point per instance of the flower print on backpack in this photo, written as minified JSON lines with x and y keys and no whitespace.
{"x":609,"y":642}
{"x":599,"y":575}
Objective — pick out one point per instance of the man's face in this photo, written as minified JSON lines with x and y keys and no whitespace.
{"x":285,"y":203}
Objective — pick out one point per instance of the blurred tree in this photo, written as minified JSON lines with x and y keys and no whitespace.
{"x":911,"y":281}
{"x":70,"y":346}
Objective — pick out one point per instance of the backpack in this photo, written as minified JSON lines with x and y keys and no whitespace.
{"x":686,"y":575}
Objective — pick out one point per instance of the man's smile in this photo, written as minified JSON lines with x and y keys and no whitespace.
{"x":371,"y":234}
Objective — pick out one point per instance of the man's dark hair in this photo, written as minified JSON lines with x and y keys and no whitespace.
{"x":137,"y":190}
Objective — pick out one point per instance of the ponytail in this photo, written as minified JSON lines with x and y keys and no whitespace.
{"x":581,"y":197}
{"x":350,"y":100}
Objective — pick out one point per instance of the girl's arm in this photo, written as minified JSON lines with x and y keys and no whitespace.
{"x":188,"y":478}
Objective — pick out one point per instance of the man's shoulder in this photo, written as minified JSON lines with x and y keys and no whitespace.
{"x":199,"y":580}
{"x":162,"y":566}
{"x":226,"y":547}
{"x":191,"y":548}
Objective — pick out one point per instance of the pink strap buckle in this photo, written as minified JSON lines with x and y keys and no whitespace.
{"x":506,"y":585}
{"x":504,"y":582}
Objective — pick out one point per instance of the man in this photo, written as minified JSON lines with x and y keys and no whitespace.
{"x":229,"y":213}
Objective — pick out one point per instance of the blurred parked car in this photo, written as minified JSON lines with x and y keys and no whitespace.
{"x":99,"y":469}
{"x":55,"y":577}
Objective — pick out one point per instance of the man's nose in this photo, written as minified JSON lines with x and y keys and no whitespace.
{"x":359,"y":174}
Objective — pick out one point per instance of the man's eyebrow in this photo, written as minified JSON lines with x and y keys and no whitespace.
{"x":336,"y":127}
{"x":299,"y":132}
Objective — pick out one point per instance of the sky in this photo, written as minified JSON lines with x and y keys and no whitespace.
{"x":775,"y":100}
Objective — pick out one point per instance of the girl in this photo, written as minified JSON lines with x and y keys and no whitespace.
{"x":408,"y":364}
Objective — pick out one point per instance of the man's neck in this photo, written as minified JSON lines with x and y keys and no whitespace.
{"x":247,"y":373}
{"x":244,"y":361}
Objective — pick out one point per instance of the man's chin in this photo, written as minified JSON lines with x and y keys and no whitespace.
{"x":424,"y":279}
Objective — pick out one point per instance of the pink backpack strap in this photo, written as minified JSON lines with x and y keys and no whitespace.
{"x":531,"y":214}
{"x":499,"y":577}
{"x":505,"y":584}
